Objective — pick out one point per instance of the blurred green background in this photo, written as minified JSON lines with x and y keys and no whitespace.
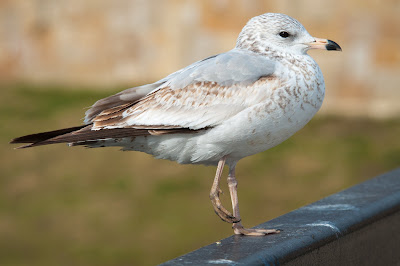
{"x":77,"y":206}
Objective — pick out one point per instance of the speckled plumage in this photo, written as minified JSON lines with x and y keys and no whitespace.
{"x":217,"y":110}
{"x":249,"y":100}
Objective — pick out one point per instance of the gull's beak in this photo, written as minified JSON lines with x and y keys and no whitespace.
{"x":324,"y":44}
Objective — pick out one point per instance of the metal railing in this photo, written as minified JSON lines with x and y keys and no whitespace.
{"x":357,"y":226}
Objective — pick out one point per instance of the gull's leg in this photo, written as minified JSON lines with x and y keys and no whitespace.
{"x":223,"y":213}
{"x":238,"y":227}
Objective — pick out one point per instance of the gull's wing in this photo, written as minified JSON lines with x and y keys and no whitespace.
{"x":199,"y":96}
{"x":131,"y":95}
{"x":126,"y":96}
{"x":194,"y":98}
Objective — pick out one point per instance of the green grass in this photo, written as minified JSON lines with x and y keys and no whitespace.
{"x":76,"y":206}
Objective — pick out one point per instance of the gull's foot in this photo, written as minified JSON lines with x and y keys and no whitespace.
{"x":220,"y":210}
{"x":240,"y":230}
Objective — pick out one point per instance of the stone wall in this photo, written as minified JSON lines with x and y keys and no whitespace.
{"x":100,"y":43}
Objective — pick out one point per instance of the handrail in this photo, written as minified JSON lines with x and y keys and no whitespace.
{"x":357,"y":226}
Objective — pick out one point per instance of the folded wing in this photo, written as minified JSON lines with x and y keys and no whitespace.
{"x":200,"y":96}
{"x":195,"y":98}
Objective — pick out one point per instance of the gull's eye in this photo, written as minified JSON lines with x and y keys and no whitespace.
{"x":284,"y":34}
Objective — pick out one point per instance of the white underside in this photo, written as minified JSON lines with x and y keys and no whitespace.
{"x":236,"y":138}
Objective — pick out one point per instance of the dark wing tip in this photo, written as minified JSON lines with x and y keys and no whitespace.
{"x":20,"y":140}
{"x":41,"y":138}
{"x":23,"y":139}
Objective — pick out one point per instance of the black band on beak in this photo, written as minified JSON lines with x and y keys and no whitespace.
{"x":332,"y":46}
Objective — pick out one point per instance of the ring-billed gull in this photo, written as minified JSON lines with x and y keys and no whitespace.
{"x":217,"y":110}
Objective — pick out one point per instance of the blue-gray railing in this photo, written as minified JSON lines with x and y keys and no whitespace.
{"x":358,"y":226}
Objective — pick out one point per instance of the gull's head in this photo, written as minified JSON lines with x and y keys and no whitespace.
{"x":272,"y":31}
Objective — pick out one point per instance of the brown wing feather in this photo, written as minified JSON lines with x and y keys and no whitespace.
{"x":86,"y":134}
{"x":100,"y":118}
{"x":126,"y":96}
{"x":38,"y":137}
{"x":113,"y":114}
{"x":115,"y":111}
{"x":198,"y":105}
